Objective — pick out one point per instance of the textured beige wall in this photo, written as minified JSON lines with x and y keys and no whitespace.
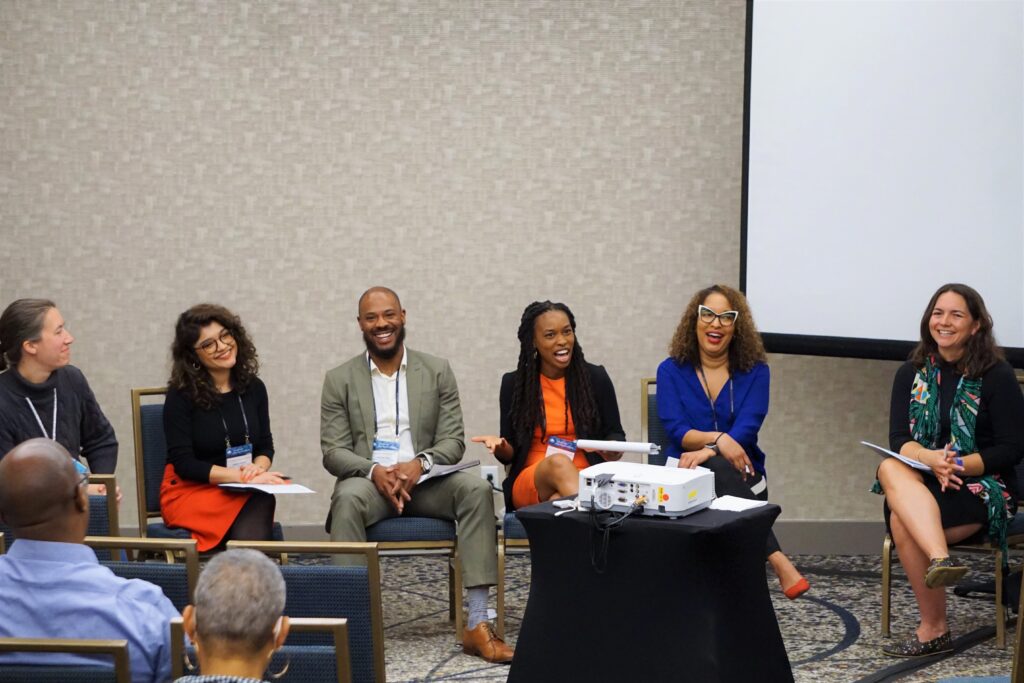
{"x":280,"y":157}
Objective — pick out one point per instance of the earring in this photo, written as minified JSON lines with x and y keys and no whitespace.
{"x":189,"y":666}
{"x":195,"y":365}
{"x":282,"y":672}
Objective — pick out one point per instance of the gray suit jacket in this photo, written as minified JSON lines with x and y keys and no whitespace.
{"x":347,"y":417}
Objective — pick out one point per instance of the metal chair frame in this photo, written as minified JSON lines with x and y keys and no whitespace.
{"x":516,"y":546}
{"x":337,"y":628}
{"x":370,"y":551}
{"x":117,"y":649}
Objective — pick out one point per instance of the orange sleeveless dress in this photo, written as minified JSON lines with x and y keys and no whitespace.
{"x":560,"y":424}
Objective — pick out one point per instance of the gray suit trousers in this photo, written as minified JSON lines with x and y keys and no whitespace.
{"x":460,"y":497}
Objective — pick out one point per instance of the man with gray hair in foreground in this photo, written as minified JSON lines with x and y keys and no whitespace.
{"x":52,"y":586}
{"x":237,"y":621}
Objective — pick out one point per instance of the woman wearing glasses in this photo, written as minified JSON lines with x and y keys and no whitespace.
{"x":553,"y":392}
{"x":42,"y":394}
{"x":217,"y":426}
{"x":712,"y":400}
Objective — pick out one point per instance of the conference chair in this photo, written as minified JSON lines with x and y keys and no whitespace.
{"x":53,"y":673}
{"x":3,"y":544}
{"x":150,"y":461}
{"x":651,"y":430}
{"x":306,"y":663}
{"x":424,"y":536}
{"x":177,"y":580}
{"x":512,"y":537}
{"x":332,"y":591}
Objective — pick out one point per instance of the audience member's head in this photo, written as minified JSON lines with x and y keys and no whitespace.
{"x":42,"y":495}
{"x":237,"y":620}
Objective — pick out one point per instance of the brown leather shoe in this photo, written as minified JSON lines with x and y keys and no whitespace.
{"x":483,"y":642}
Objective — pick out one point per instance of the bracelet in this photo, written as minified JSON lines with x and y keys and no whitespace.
{"x":720,"y":435}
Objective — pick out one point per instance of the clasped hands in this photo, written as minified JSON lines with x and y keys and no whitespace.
{"x":943,"y":464}
{"x":396,"y":482}
{"x":728,"y":448}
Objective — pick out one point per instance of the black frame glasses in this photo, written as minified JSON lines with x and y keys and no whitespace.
{"x":707,"y":316}
{"x":226,"y":337}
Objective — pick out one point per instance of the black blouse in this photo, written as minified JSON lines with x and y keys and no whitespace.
{"x":195,"y":437}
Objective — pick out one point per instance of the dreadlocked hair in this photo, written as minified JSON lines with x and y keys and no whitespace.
{"x":527,"y":406}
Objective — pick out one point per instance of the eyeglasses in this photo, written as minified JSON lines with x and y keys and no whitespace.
{"x":210,"y":345}
{"x":726,"y":318}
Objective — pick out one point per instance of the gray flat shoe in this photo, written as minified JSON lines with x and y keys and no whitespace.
{"x":943,"y":572}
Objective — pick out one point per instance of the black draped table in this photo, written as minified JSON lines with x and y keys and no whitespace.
{"x":679,"y":600}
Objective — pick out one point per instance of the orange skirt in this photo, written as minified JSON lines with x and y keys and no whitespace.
{"x":205,"y":510}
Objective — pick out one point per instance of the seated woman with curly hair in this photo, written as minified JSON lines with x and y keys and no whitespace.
{"x":712,"y":400}
{"x":217,"y":425}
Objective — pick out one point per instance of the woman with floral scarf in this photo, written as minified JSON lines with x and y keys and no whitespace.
{"x":957,"y":408}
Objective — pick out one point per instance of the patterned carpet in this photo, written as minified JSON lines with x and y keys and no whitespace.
{"x":832,"y":634}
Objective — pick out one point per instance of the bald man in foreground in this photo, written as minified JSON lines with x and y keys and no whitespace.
{"x":52,"y":586}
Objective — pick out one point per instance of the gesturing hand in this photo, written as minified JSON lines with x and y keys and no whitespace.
{"x":499,"y":447}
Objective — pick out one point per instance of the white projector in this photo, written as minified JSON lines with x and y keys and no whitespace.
{"x":668,"y":491}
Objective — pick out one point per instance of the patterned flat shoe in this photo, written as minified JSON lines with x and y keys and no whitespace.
{"x":912,"y":647}
{"x":943,"y":572}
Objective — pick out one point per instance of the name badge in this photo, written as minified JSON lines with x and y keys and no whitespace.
{"x":561,"y":446}
{"x":238,"y":456}
{"x":385,"y":450}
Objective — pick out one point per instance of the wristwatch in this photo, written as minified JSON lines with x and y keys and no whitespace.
{"x":426,"y":462}
{"x":713,"y":447}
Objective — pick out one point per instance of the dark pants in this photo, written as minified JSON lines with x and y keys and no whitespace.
{"x":729,"y":482}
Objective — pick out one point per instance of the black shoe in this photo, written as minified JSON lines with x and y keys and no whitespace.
{"x":943,"y":572}
{"x":912,"y":647}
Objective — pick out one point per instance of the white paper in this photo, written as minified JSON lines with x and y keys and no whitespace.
{"x":885,"y":452}
{"x":734,"y":504}
{"x":671,"y":462}
{"x":617,"y":446}
{"x":276,"y":489}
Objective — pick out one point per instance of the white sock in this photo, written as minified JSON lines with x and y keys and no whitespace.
{"x":476,"y":599}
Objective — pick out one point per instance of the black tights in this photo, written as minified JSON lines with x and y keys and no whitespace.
{"x":255,"y":521}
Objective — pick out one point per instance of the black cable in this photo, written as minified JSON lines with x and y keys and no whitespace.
{"x":602,"y":530}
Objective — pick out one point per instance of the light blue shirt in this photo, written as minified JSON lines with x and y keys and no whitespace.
{"x":60,"y":590}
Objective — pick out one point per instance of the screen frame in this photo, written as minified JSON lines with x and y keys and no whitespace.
{"x":802,"y":344}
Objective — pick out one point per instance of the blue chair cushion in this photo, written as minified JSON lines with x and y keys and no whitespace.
{"x":398,"y":529}
{"x":513,"y":528}
{"x":171,"y":578}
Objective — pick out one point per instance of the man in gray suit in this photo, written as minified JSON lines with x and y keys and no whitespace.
{"x":388,"y":416}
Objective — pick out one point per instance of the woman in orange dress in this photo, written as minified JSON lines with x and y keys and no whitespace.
{"x":553,"y":392}
{"x":217,"y":426}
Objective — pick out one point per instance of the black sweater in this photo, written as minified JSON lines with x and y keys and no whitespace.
{"x":609,"y":427}
{"x":195,"y":437}
{"x":82,"y":428}
{"x":999,"y":429}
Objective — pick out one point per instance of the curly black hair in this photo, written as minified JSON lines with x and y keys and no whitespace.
{"x":187,"y":372}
